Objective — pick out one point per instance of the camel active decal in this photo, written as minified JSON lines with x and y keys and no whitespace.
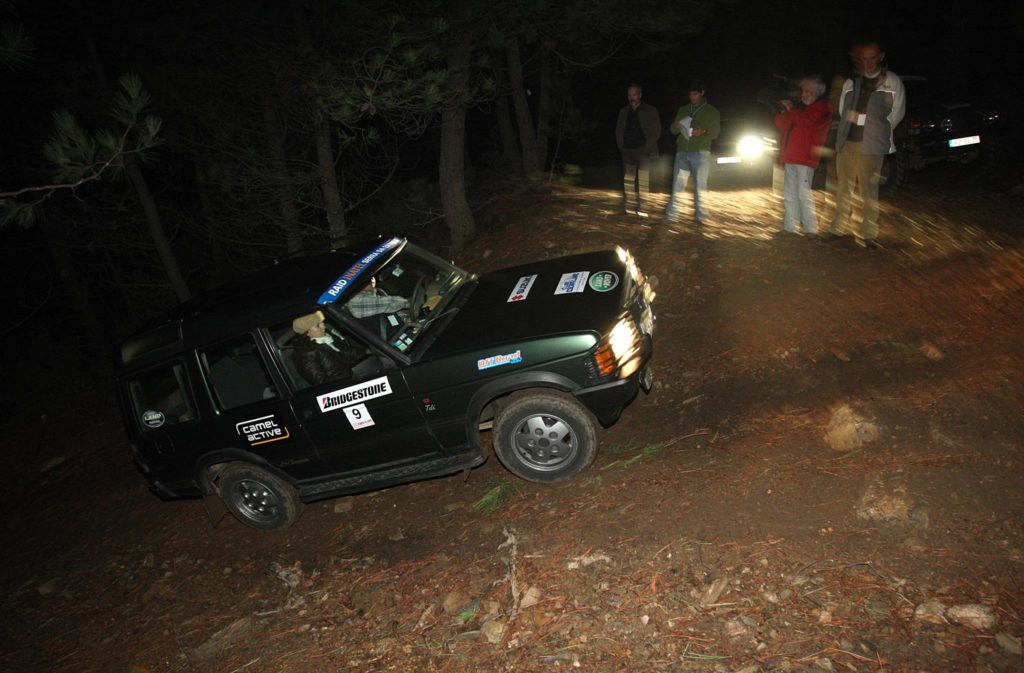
{"x":262,"y":430}
{"x":338,"y":399}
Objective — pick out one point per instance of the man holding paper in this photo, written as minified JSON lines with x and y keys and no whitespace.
{"x":696,"y":125}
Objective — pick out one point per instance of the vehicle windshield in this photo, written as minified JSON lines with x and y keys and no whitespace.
{"x":401,"y":300}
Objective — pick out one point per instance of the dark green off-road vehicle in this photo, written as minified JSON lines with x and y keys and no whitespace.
{"x":216,"y":400}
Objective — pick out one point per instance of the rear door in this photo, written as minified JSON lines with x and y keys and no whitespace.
{"x":250,"y":412}
{"x":162,"y":407}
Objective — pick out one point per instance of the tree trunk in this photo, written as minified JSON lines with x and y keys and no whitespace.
{"x":336,"y":226}
{"x":156,"y":228}
{"x":527,"y":138}
{"x":78,"y":294}
{"x":452,"y":165}
{"x":220,"y":272}
{"x":547,"y":84}
{"x":337,"y":229}
{"x":275,"y":146}
{"x":506,"y":131}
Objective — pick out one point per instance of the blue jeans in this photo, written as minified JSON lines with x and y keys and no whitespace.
{"x":799,"y":199}
{"x":698,"y":163}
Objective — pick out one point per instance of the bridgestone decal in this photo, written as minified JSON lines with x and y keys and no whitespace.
{"x":367,"y":390}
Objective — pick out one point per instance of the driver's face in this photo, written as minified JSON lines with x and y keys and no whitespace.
{"x":317,"y":330}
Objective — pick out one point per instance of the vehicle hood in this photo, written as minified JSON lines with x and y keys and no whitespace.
{"x":499,"y":311}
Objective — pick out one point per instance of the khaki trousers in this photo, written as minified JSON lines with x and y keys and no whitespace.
{"x":865,"y":170}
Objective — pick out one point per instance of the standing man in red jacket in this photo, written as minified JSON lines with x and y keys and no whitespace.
{"x":804,"y":128}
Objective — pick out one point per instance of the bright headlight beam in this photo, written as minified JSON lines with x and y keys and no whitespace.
{"x":750,"y":146}
{"x":622,"y":339}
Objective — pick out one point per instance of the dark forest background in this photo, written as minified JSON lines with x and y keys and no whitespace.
{"x":150,"y":150}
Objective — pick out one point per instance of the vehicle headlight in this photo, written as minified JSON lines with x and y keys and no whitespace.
{"x":626,"y":257}
{"x":750,"y":146}
{"x":633,"y":269}
{"x":623,"y":339}
{"x":619,"y":350}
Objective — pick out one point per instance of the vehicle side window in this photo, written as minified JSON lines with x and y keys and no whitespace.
{"x":312,"y":361}
{"x":236,"y":374}
{"x":161,"y":397}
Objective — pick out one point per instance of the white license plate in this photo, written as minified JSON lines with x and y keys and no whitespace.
{"x":968,"y":140}
{"x":729,"y":160}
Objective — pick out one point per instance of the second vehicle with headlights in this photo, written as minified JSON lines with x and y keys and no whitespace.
{"x":745,"y":151}
{"x":217,"y":401}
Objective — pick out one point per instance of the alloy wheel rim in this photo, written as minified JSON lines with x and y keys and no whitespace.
{"x":545,"y":443}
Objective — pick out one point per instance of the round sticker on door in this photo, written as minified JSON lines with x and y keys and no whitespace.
{"x":603,"y":281}
{"x":152,"y":419}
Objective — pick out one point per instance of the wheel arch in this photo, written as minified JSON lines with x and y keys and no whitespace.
{"x":485,"y":402}
{"x":210,"y":465}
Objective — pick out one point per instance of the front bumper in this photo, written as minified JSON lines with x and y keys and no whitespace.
{"x":607,"y":400}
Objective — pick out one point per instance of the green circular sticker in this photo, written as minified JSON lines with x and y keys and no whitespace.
{"x":603,"y":281}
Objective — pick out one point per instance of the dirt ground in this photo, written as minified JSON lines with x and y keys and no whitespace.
{"x":827,"y":476}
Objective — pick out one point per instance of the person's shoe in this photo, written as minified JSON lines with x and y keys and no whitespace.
{"x":630,"y":211}
{"x":669,"y":220}
{"x":642,"y":213}
{"x":871,"y":244}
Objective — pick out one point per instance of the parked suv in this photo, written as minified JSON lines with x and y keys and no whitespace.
{"x":937,"y":128}
{"x":215,"y":400}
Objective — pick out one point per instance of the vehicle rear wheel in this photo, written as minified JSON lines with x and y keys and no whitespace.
{"x":259,"y":498}
{"x":895,"y":172}
{"x":544,"y":436}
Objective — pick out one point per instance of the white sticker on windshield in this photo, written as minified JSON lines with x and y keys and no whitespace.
{"x":358,"y":416}
{"x":522,"y":288}
{"x":573,"y":282}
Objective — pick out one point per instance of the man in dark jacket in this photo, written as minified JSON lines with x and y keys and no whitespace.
{"x":317,"y":355}
{"x":636,"y":132}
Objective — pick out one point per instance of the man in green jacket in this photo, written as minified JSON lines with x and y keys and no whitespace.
{"x":695,"y":127}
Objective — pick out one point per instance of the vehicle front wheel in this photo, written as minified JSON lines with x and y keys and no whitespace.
{"x":259,"y":498}
{"x":544,"y":436}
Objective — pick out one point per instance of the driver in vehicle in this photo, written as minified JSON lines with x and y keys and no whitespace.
{"x":318,"y":356}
